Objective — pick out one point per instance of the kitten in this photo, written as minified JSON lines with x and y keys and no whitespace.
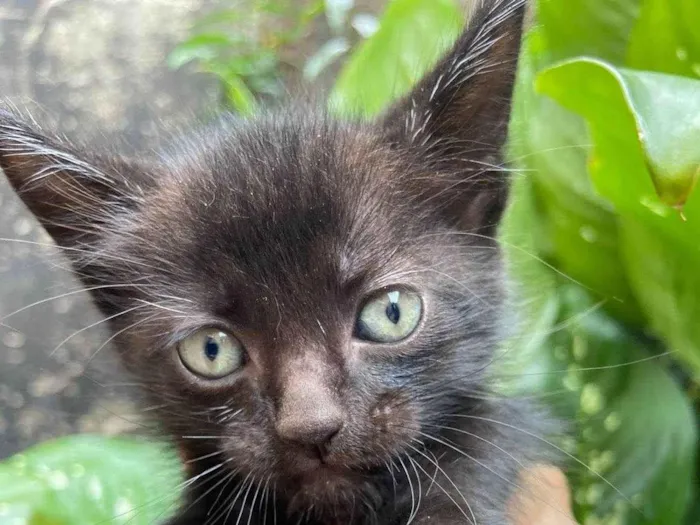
{"x":314,"y":304}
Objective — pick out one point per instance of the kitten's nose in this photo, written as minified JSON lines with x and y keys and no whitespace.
{"x":310,"y":410}
{"x":315,"y":427}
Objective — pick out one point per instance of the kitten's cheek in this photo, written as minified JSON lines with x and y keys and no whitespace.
{"x":393,"y":415}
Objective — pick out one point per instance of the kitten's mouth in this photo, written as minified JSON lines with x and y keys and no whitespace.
{"x":322,"y":470}
{"x":316,"y":475}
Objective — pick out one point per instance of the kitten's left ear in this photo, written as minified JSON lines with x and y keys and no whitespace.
{"x":456,"y":118}
{"x":71,"y":192}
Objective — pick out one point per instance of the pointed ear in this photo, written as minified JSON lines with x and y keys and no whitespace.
{"x":73,"y":194}
{"x":456,"y":118}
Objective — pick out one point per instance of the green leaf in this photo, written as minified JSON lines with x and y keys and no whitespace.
{"x":694,"y":515}
{"x":85,"y":479}
{"x":257,"y":63}
{"x":204,"y":46}
{"x":576,"y":230}
{"x":666,"y":110}
{"x":645,"y":130}
{"x":663,"y":271}
{"x":675,"y":45}
{"x":635,"y":429}
{"x":325,"y":56}
{"x":388,"y":63}
{"x":603,"y":166}
{"x":636,"y":110}
{"x":534,"y":285}
{"x":238,"y":94}
{"x":598,"y":28}
{"x":337,"y":12}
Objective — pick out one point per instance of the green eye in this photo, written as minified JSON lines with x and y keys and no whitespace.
{"x":389,"y":317}
{"x":211,"y":353}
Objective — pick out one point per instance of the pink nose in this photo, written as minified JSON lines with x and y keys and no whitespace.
{"x":309,"y":413}
{"x":310,"y":428}
{"x":310,"y":410}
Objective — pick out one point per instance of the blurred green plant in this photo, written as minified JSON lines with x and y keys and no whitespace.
{"x":600,"y":238}
{"x":411,"y":35}
{"x":244,"y":45}
{"x":86,"y":479}
{"x":241,"y":46}
{"x":607,"y":135}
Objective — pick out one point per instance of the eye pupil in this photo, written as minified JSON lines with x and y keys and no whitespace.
{"x":393,"y":312}
{"x":211,"y":349}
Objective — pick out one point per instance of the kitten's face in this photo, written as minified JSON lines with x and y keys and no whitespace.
{"x":353,"y":313}
{"x":305,"y":300}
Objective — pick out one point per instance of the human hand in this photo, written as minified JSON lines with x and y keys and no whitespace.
{"x":544,"y":498}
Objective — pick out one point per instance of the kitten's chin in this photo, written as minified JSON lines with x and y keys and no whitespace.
{"x":331,"y":493}
{"x":326,"y":477}
{"x":325,"y":484}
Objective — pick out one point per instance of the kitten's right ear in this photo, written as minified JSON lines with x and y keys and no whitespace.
{"x":456,"y":118}
{"x":72,"y":193}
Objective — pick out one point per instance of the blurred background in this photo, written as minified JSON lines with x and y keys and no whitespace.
{"x":118,"y":73}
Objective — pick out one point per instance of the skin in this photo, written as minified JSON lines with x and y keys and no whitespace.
{"x":544,"y":500}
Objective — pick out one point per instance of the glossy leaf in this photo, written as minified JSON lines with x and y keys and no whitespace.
{"x":633,"y":440}
{"x":646,"y":132}
{"x":85,"y":479}
{"x":411,"y":35}
{"x":675,"y":46}
{"x":656,"y":113}
{"x":595,"y":213}
{"x":577,"y":230}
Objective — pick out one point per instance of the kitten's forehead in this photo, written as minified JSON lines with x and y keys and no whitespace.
{"x":282,"y":202}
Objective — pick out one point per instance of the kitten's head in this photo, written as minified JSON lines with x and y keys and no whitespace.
{"x":306,"y":296}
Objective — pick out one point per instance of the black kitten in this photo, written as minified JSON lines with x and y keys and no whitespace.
{"x":314,"y":303}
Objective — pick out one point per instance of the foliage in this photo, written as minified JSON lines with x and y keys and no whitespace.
{"x":240,"y":45}
{"x":243,"y":46}
{"x":340,"y":18}
{"x":606,"y":137}
{"x":85,"y":479}
{"x":388,"y":64}
{"x":599,"y":236}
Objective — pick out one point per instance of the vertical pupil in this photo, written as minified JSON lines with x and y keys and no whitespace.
{"x":393,"y":312}
{"x":211,"y":348}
